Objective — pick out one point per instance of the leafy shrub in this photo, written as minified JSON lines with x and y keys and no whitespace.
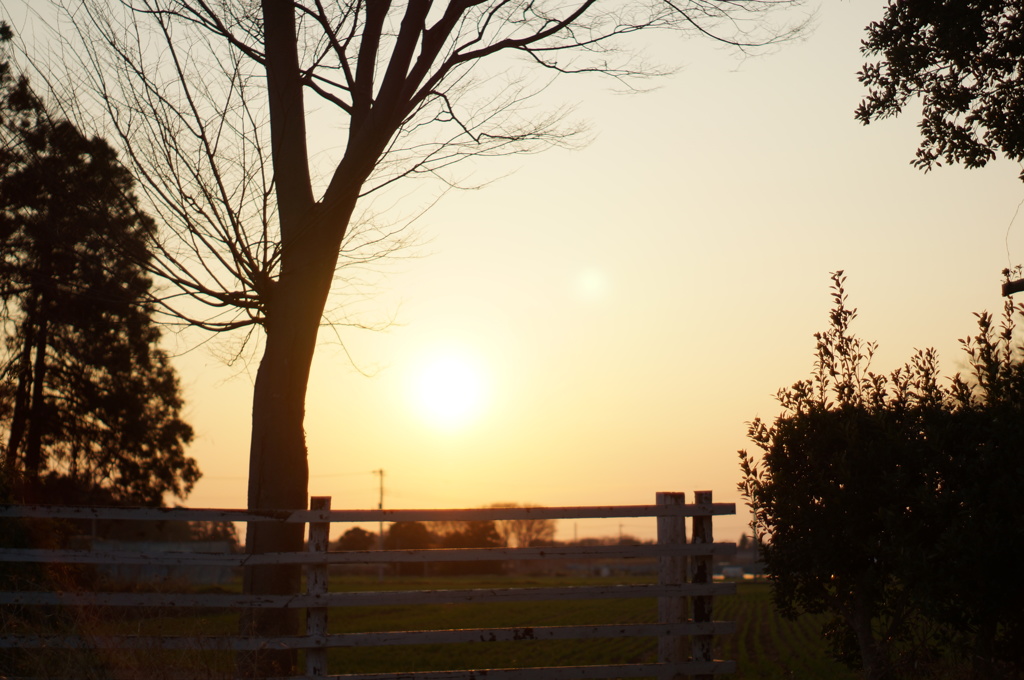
{"x":882,"y":499}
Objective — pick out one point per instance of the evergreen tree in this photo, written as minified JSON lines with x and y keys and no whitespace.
{"x":91,"y":405}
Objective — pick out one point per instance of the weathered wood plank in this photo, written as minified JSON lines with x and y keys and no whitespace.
{"x":550,"y":673}
{"x":378,"y":639}
{"x":700,"y":572}
{"x":421,"y":515}
{"x":363,"y":599}
{"x":671,"y":571}
{"x":365,"y":556}
{"x":316,"y":584}
{"x":558,"y":673}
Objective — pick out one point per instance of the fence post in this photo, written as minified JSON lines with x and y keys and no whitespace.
{"x":316,"y":584}
{"x":701,"y":572}
{"x":671,"y":571}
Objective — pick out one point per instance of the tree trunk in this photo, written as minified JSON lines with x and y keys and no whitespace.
{"x":278,"y":474}
{"x":311,"y":237}
{"x":37,"y":412}
{"x":25,"y":431}
{"x":872,"y":654}
{"x":278,"y":468}
{"x":19,"y":417}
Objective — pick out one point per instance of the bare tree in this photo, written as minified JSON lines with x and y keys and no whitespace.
{"x":530,"y":532}
{"x":209,"y":101}
{"x":526,"y":531}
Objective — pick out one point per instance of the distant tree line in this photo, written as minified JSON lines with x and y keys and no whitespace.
{"x":456,"y":534}
{"x":529,"y":532}
{"x":162,"y":530}
{"x":893,"y":503}
{"x":421,"y":536}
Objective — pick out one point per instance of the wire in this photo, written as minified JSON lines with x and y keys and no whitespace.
{"x":1006,"y":239}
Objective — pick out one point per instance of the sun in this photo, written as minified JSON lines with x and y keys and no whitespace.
{"x":450,"y":391}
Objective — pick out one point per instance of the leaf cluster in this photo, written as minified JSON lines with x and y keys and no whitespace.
{"x":962,"y":59}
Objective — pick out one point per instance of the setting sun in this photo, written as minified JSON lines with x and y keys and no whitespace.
{"x":449,"y":391}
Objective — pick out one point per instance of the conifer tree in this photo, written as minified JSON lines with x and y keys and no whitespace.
{"x":91,"y":405}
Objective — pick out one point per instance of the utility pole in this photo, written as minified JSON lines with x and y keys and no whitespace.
{"x":380,"y":529}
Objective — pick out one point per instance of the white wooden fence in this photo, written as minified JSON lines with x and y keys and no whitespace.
{"x":684,"y":592}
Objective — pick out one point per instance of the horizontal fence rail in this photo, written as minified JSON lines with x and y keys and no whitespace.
{"x":366,"y":599}
{"x":684,"y":592}
{"x":418,"y":637}
{"x":696,"y":669}
{"x":368,"y":556}
{"x":306,"y":516}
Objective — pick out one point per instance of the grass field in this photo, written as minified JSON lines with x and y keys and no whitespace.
{"x":765,"y":646}
{"x":768,"y":646}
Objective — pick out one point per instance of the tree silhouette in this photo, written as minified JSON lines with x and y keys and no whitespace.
{"x":525,"y":532}
{"x":410,"y":536}
{"x":357,"y":538}
{"x":879,"y":497}
{"x":209,"y":102}
{"x":92,"y":404}
{"x":472,"y":534}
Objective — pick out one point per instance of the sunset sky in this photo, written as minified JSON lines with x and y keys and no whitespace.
{"x":614,"y":316}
